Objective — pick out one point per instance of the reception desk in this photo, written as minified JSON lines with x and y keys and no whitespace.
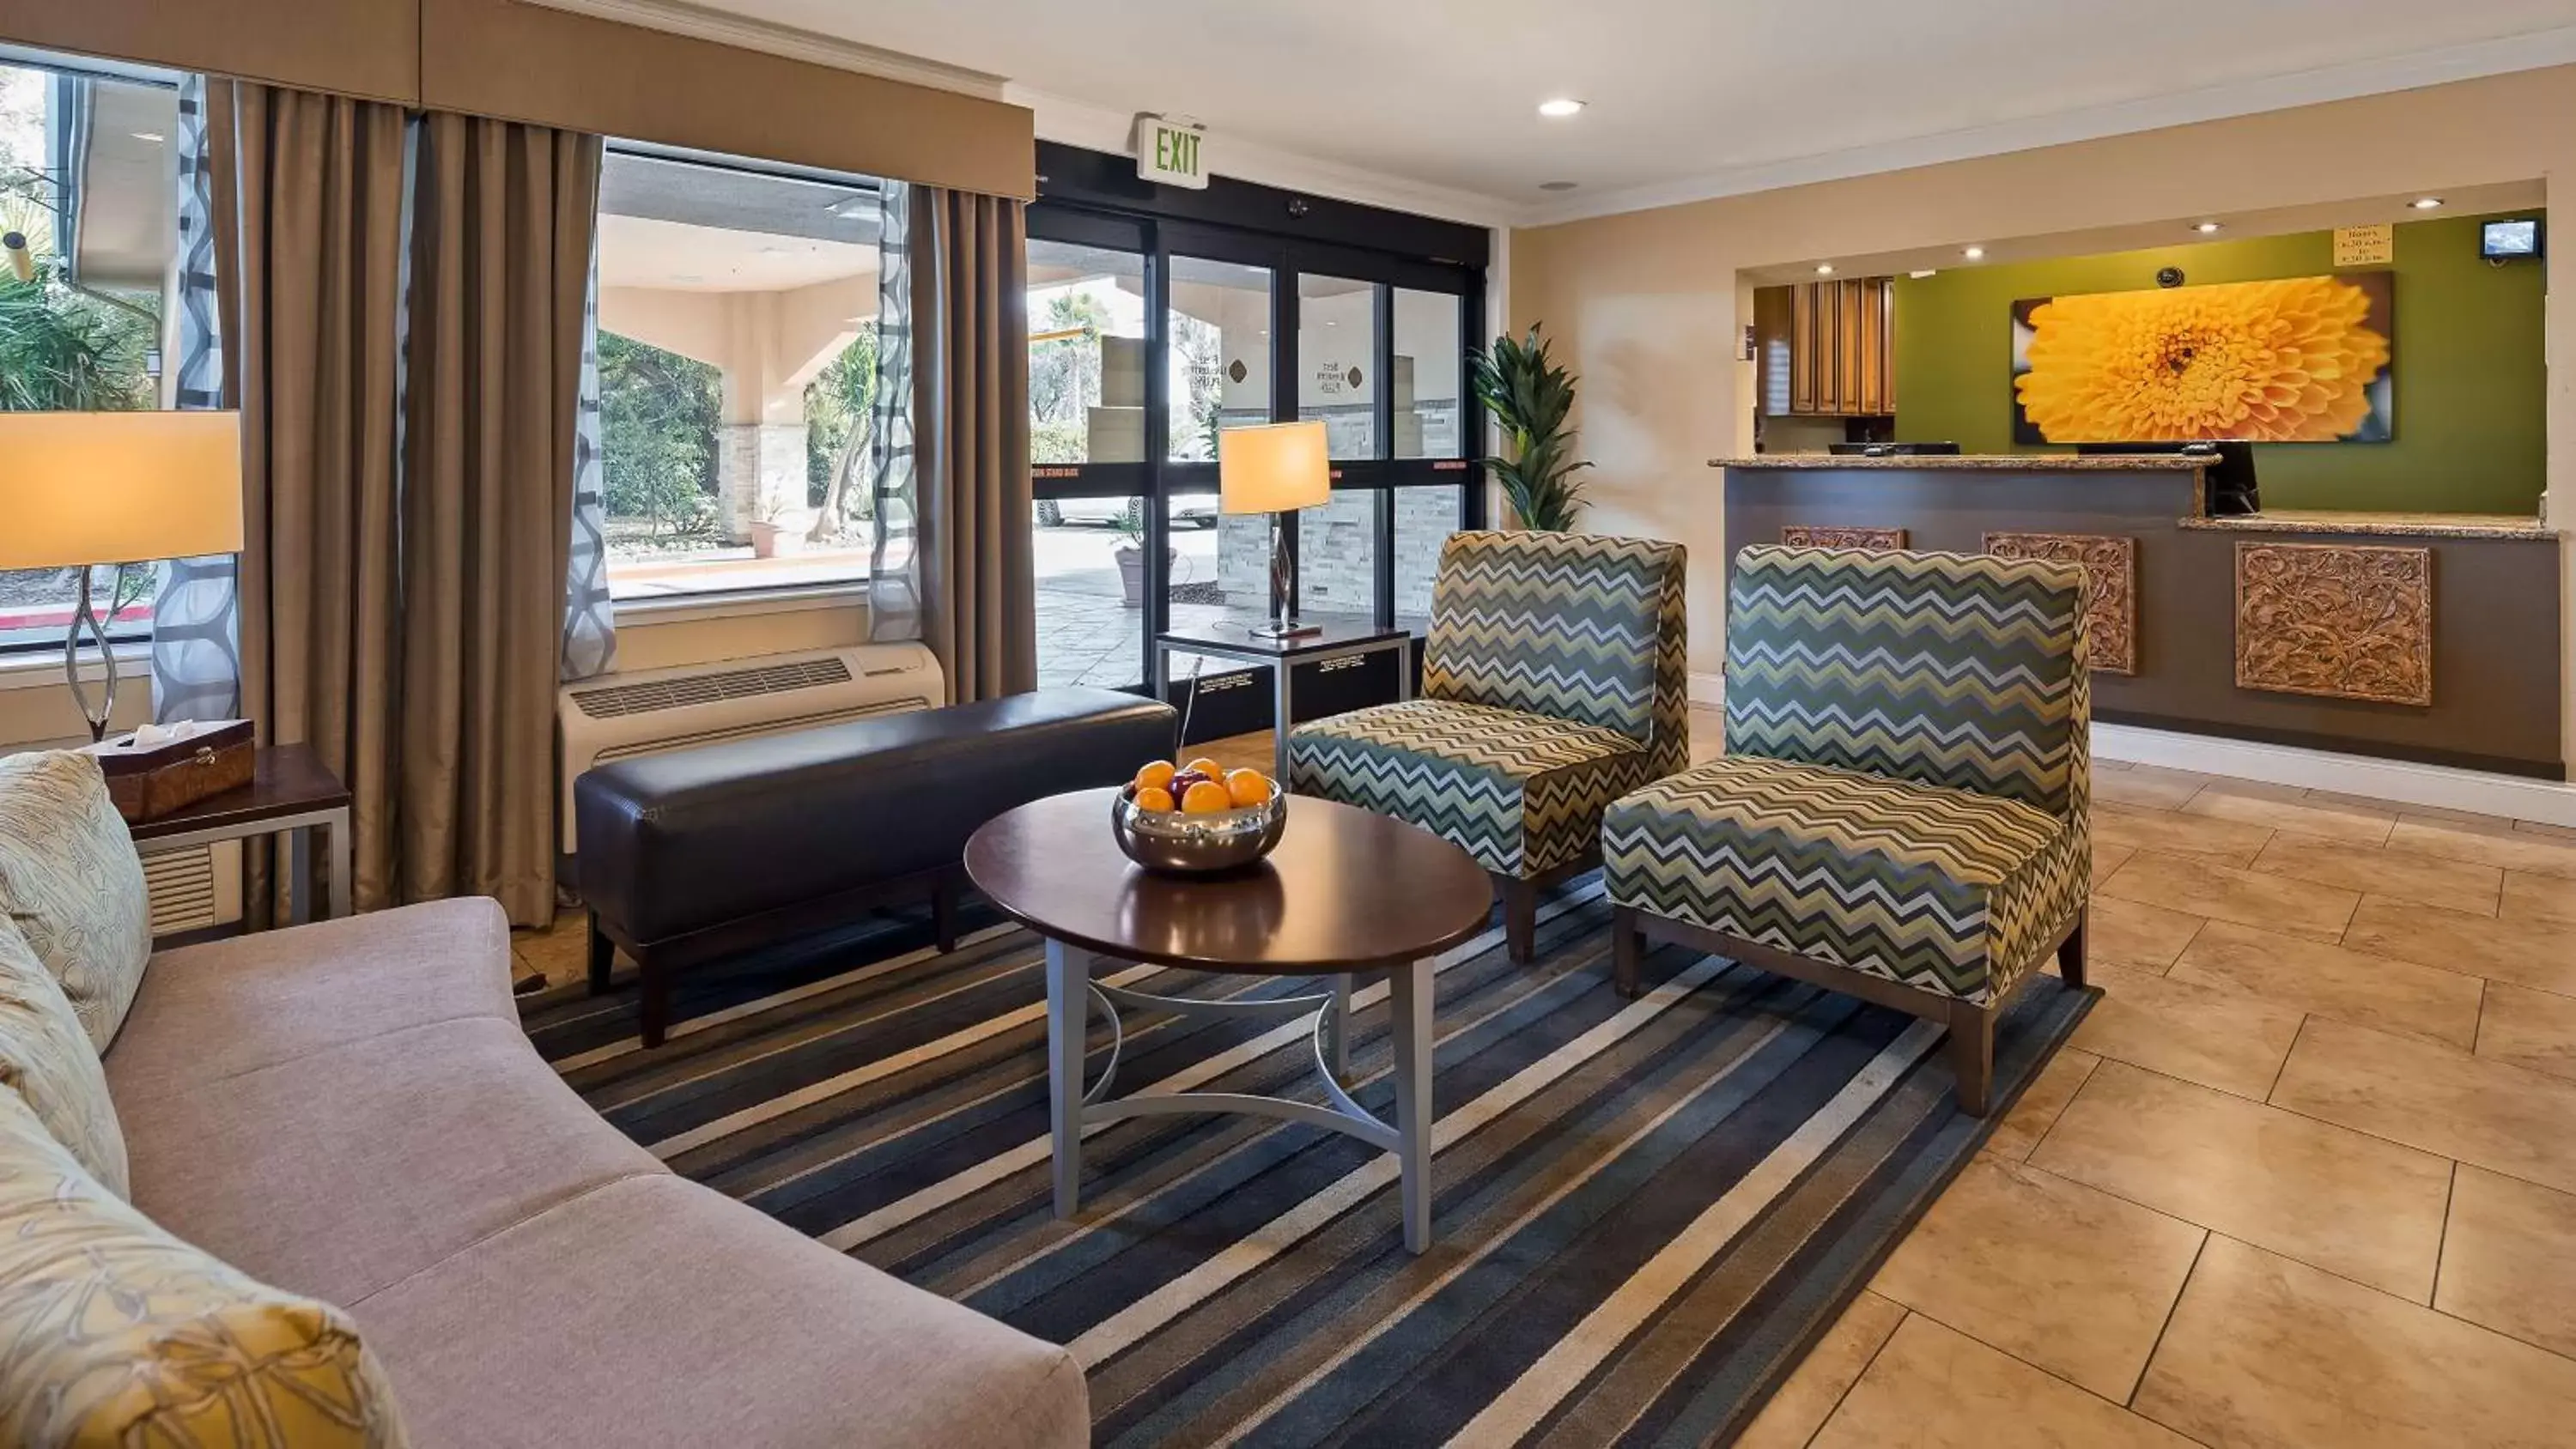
{"x":2428,"y":637}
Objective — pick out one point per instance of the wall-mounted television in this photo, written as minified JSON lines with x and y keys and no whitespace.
{"x":2510,"y":239}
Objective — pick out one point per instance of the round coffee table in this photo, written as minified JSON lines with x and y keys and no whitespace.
{"x":1346,"y":892}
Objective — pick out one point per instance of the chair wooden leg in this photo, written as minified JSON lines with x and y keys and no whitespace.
{"x":657,"y":1003}
{"x":1520,"y":917}
{"x":1627,"y":948}
{"x":603,"y":956}
{"x":2070,"y":956}
{"x":943,"y":913}
{"x":1972,"y":1054}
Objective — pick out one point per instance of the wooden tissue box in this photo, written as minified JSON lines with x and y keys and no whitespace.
{"x":147,"y":784}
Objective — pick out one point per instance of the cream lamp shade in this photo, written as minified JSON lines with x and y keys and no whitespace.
{"x":103,"y":488}
{"x":1273,"y":468}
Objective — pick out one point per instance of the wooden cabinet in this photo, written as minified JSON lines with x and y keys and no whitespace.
{"x":1826,"y":348}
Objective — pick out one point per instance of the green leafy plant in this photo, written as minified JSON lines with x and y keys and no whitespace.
{"x":1530,"y":396}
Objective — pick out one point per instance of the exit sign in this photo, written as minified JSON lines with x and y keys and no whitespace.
{"x":1171,"y":152}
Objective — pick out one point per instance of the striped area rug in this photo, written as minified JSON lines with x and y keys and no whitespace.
{"x":1645,"y":1211}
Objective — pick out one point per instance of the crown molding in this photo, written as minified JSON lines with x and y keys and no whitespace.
{"x":2533,"y":51}
{"x":699,"y":23}
{"x":1099,"y":128}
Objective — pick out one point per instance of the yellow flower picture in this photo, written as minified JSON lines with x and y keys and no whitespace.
{"x":2299,"y":360}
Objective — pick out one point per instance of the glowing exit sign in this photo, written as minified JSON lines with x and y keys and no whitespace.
{"x":1171,"y":152}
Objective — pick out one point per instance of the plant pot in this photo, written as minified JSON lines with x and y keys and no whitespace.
{"x":780,"y":537}
{"x":1131,"y":572}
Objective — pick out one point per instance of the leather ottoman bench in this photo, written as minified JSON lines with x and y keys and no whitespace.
{"x":704,"y":854}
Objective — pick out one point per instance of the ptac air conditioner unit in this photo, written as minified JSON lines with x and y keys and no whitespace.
{"x":652,"y":711}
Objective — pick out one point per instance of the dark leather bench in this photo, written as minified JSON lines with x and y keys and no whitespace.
{"x":703,"y":854}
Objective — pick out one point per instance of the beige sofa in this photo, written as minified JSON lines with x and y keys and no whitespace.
{"x":350,"y":1110}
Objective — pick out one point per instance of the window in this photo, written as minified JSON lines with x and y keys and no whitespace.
{"x":88,"y":192}
{"x":737,"y":373}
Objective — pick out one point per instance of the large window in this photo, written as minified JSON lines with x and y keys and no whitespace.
{"x":88,"y":192}
{"x":737,"y":373}
{"x":1153,"y":331}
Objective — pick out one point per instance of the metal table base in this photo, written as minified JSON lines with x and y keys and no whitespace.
{"x":1071,"y":989}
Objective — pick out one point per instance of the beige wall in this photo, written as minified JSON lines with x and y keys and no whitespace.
{"x":1648,"y":306}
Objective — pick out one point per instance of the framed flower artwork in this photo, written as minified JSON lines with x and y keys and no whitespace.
{"x":2295,"y":360}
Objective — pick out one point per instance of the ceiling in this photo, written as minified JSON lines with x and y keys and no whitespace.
{"x":1687,"y":97}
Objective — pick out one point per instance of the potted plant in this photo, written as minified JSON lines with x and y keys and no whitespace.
{"x":1529,"y":395}
{"x":1131,"y":554}
{"x":780,"y":530}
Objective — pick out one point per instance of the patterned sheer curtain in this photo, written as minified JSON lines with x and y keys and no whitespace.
{"x":894,"y":574}
{"x":590,"y":622}
{"x":196,"y":649}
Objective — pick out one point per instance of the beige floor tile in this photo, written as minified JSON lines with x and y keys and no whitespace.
{"x":2040,"y":1104}
{"x":2057,"y":1274}
{"x":2329,"y":1197}
{"x":2177,"y":834}
{"x":2108,"y":858}
{"x":2132,"y":933}
{"x":1935,"y":1388}
{"x":2404,"y":812}
{"x":2512,"y":849}
{"x":2100,"y":764}
{"x":1800,"y":1406}
{"x":2457,"y":885}
{"x":560,"y":953}
{"x":2509,"y":1259}
{"x":2546,"y":830}
{"x":2434,"y":1098}
{"x":2266,"y":1353}
{"x":2203,"y":888}
{"x":2527,"y":1028}
{"x":2527,"y":897}
{"x":2310,"y":976}
{"x":2527,"y":952}
{"x":2147,"y":787}
{"x":2255,"y":789}
{"x":2330,"y":822}
{"x":2217,"y":1038}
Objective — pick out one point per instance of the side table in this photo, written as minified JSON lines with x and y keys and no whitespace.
{"x":292,"y":793}
{"x":1336,"y":637}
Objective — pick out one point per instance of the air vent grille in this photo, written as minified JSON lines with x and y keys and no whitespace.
{"x":181,"y":887}
{"x":616,"y":701}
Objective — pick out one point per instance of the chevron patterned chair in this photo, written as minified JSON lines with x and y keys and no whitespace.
{"x":1902,"y":811}
{"x":1553,"y":682}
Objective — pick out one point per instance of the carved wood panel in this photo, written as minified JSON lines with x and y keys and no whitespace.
{"x":1821,"y":536}
{"x":2350,"y":621}
{"x":2111,"y":614}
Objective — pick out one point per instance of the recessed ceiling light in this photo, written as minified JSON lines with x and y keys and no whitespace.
{"x":1974,"y":254}
{"x":2204,"y":227}
{"x":1824,"y":269}
{"x":1920,"y":273}
{"x":1556,"y":185}
{"x":2425,"y":203}
{"x":849,"y":207}
{"x":1560,"y":108}
{"x":154,"y":137}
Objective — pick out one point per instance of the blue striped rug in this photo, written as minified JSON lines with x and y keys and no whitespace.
{"x":1646,"y":1210}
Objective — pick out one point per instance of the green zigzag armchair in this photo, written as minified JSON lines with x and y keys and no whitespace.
{"x":1553,"y":682}
{"x":1902,"y":813}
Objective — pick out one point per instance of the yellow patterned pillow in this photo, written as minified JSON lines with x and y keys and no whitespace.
{"x":47,"y":1059}
{"x":112,"y":1332}
{"x":70,"y":879}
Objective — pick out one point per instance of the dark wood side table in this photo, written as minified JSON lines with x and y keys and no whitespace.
{"x":1346,"y":892}
{"x":1338,"y":636}
{"x":290,"y":793}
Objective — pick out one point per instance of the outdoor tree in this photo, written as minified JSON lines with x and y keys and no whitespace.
{"x":838,"y":406}
{"x":1064,"y":376}
{"x":657,"y":422}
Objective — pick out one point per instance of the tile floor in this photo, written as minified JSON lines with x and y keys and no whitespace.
{"x":2306,"y":1175}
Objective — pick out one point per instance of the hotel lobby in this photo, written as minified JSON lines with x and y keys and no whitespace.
{"x":808,"y":724}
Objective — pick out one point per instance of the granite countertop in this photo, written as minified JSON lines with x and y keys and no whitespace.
{"x":2394,"y":525}
{"x":1969,"y":463}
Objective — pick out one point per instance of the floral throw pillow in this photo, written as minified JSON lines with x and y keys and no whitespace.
{"x":46,"y":1058}
{"x":72,"y":884}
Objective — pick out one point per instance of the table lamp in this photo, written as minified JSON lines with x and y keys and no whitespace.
{"x":1275,"y":468}
{"x":81,"y":489}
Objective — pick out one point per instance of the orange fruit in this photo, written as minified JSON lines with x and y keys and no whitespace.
{"x":1206,"y":798}
{"x":1248,"y":787}
{"x":1153,"y":798}
{"x":1156,"y":776}
{"x":1205,"y":766}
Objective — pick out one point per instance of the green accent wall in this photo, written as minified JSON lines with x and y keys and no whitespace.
{"x":2470,"y":382}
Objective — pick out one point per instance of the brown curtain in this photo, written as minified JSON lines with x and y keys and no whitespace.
{"x":307,"y":210}
{"x":501,"y":258}
{"x":970,"y":402}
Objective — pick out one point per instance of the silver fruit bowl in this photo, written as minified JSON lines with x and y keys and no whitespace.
{"x":1209,"y":844}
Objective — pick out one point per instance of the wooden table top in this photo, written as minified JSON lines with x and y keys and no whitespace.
{"x":1345,"y":890}
{"x":285,"y":780}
